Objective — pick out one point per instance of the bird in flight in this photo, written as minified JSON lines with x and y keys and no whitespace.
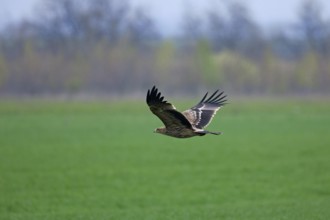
{"x":189,"y":123}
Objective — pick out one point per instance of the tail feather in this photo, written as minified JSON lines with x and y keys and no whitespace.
{"x":204,"y":132}
{"x":215,"y":133}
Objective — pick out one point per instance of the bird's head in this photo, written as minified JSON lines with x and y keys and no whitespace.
{"x":160,"y":130}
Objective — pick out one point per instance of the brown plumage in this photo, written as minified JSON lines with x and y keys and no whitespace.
{"x":189,"y":123}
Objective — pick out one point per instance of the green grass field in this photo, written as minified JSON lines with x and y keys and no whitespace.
{"x":101,"y":160}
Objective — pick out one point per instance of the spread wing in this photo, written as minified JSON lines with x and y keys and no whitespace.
{"x":201,"y":114}
{"x":165,"y":111}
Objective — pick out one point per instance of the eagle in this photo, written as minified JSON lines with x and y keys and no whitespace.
{"x":188,"y":123}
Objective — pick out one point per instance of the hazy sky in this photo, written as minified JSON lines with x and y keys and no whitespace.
{"x":167,"y":13}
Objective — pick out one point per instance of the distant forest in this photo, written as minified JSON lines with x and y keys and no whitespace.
{"x":110,"y":47}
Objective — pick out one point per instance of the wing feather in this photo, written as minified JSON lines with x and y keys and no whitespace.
{"x":201,"y":114}
{"x":165,"y":111}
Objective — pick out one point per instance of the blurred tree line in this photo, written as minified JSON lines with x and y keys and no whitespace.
{"x":110,"y":47}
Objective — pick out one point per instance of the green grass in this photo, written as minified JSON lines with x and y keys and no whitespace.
{"x":101,"y":160}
